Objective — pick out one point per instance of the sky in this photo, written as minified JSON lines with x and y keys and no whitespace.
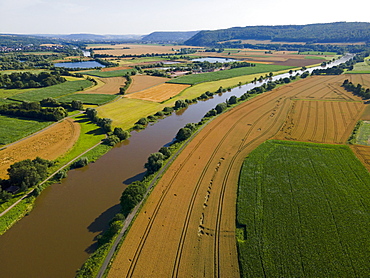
{"x":121,"y":17}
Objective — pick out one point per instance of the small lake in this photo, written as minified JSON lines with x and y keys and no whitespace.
{"x":83,"y":65}
{"x":214,"y":60}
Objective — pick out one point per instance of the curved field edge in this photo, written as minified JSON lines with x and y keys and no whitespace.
{"x":302,"y":211}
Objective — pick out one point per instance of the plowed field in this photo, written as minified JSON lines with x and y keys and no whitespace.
{"x":111,"y":86}
{"x":187,"y":226}
{"x":159,"y":93}
{"x":48,"y":144}
{"x":142,"y":82}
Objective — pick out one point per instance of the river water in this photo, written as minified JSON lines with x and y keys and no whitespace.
{"x":59,"y":234}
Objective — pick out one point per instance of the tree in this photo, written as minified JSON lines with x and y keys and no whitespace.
{"x":183,"y":134}
{"x":233,"y":100}
{"x":27,"y":173}
{"x":120,"y":133}
{"x":155,"y":162}
{"x":220,"y":107}
{"x":165,"y":151}
{"x":77,"y":105}
{"x":133,"y":194}
{"x":83,"y":161}
{"x":180,"y":104}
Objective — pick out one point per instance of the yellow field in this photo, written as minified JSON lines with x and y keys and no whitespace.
{"x":125,"y":112}
{"x":138,"y":49}
{"x":160,"y":92}
{"x":108,"y":86}
{"x":142,"y":82}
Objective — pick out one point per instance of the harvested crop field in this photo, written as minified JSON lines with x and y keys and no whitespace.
{"x":48,"y":144}
{"x":363,"y":154}
{"x":138,"y":49}
{"x":189,"y":218}
{"x":111,"y":86}
{"x":363,"y":79}
{"x":321,"y":121}
{"x":142,"y":82}
{"x":159,"y":93}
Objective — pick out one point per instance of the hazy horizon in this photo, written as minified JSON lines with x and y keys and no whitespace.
{"x":115,"y":17}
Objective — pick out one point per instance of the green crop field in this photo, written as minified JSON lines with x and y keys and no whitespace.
{"x":55,"y":91}
{"x":363,"y":135}
{"x":13,"y":129}
{"x":317,"y":53}
{"x":96,"y":99}
{"x":303,"y":210}
{"x":193,"y":79}
{"x":113,"y":73}
{"x":363,"y":67}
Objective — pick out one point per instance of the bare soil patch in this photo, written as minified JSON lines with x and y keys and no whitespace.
{"x":142,"y":82}
{"x":159,"y":93}
{"x":111,"y":86}
{"x":48,"y":144}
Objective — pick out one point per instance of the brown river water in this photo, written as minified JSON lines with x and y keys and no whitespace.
{"x":59,"y":234}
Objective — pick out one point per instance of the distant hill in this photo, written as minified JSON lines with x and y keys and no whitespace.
{"x":311,"y":33}
{"x":92,"y":37}
{"x":169,"y":37}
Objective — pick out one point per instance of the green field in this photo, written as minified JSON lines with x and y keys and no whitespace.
{"x":193,"y":79}
{"x":96,"y":99}
{"x":303,"y":210}
{"x":113,"y":73}
{"x":55,"y":91}
{"x":363,"y":67}
{"x":13,"y":129}
{"x":317,"y":53}
{"x":363,"y":135}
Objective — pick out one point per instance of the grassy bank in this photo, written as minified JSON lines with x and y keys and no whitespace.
{"x":302,"y":212}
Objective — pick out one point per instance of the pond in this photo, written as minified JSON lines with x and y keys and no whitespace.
{"x":215,"y":60}
{"x":82,"y":65}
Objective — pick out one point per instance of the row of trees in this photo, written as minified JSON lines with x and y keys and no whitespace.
{"x":33,"y":110}
{"x":356,"y":89}
{"x":22,"y":80}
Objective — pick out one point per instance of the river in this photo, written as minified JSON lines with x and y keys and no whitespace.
{"x":59,"y":234}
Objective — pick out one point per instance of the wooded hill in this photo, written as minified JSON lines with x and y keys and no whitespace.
{"x":311,"y":33}
{"x":163,"y":37}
